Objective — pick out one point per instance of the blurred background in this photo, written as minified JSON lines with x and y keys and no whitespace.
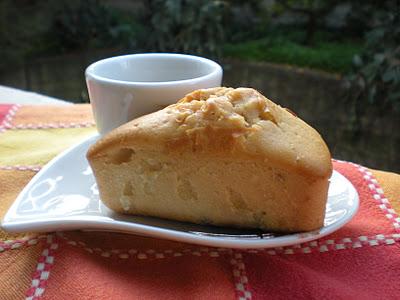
{"x":335,"y":63}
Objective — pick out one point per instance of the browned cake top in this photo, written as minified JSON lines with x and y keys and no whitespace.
{"x":229,"y":123}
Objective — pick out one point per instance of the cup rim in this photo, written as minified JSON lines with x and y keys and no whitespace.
{"x":89,"y":72}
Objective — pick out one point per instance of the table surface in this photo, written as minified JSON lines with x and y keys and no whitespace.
{"x":26,"y":97}
{"x":359,"y":261}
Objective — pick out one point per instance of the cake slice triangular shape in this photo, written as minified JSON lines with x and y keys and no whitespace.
{"x":219,"y":156}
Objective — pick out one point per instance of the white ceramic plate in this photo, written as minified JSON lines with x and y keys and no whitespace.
{"x":64,"y":196}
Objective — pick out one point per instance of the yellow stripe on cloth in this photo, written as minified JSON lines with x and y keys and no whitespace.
{"x":38,"y":146}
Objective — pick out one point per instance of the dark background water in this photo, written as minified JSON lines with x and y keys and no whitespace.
{"x":316,"y":97}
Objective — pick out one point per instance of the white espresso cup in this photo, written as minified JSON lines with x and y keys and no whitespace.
{"x":125,"y":87}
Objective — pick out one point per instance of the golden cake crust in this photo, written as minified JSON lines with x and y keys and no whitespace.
{"x":225,"y":121}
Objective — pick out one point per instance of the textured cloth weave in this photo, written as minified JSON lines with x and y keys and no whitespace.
{"x":360,"y":261}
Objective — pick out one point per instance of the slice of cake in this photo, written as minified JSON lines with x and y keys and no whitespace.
{"x":219,"y":156}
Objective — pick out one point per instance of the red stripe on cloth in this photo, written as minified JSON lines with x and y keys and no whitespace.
{"x":356,"y":262}
{"x":42,"y":272}
{"x":81,"y":274}
{"x":364,"y":273}
{"x":4,"y":109}
{"x":377,"y":193}
{"x":7,"y":113}
{"x":240,"y":277}
{"x":370,"y":219}
{"x":380,"y":198}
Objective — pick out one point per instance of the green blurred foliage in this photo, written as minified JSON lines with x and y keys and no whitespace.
{"x":314,"y":11}
{"x":188,"y":26}
{"x":20,"y":36}
{"x":41,"y":28}
{"x":245,"y":30}
{"x":286,"y":47}
{"x":375,"y":79}
{"x":90,"y":24}
{"x":364,"y":13}
{"x":214,"y":28}
{"x":247,"y":20}
{"x":80,"y":24}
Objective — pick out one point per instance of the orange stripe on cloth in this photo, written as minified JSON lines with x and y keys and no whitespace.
{"x":52,"y":114}
{"x":115,"y":243}
{"x":390,"y":183}
{"x":11,"y":184}
{"x":16,"y":268}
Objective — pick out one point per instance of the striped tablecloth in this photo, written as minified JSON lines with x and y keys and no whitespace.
{"x":360,"y":261}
